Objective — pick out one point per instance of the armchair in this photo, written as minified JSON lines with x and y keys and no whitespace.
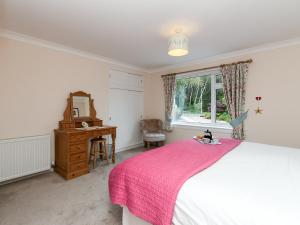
{"x":152,"y":132}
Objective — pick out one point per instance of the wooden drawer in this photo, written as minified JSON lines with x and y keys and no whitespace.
{"x":78,"y":166}
{"x":102,"y":132}
{"x":81,"y":137}
{"x":78,"y":157}
{"x":77,"y":148}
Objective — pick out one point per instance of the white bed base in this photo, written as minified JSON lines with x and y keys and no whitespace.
{"x":129,"y":219}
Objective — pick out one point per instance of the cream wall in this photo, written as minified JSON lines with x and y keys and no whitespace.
{"x":274,"y":75}
{"x":35,"y":83}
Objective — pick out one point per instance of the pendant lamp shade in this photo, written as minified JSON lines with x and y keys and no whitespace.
{"x":178,"y":45}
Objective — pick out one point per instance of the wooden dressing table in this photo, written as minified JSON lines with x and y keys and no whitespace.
{"x":72,"y":141}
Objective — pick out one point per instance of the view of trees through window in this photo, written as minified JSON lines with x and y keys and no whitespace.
{"x":194,"y":97}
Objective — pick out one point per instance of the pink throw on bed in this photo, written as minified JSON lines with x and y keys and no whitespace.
{"x":148,"y":183}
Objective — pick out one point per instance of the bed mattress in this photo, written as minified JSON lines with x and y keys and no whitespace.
{"x":255,"y":184}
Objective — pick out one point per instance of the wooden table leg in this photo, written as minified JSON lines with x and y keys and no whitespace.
{"x":101,"y":149}
{"x":113,"y":147}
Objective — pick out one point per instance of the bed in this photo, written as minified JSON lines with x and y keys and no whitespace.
{"x":254,"y":184}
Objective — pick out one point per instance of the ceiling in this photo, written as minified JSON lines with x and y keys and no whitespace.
{"x":136,"y":32}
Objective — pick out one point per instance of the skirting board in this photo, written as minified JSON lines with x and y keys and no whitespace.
{"x":25,"y":177}
{"x":129,"y":147}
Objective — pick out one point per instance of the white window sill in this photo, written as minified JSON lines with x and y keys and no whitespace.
{"x":215,"y":127}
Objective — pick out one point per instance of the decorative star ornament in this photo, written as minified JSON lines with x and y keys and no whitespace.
{"x":258,"y":110}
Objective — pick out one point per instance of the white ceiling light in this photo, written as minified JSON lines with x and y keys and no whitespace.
{"x":178,"y":44}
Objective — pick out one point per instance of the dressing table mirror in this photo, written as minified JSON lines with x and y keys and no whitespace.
{"x":72,"y":140}
{"x":80,"y":108}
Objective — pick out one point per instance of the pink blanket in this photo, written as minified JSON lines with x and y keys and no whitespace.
{"x":148,"y":183}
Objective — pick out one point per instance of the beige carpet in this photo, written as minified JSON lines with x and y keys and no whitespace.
{"x":48,"y":199}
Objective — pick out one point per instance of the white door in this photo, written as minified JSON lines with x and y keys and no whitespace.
{"x":126,"y":106}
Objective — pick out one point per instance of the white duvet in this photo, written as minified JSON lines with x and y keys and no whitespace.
{"x":254,"y":184}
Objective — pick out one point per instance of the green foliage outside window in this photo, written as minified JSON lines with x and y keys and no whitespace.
{"x":223,"y":116}
{"x":193,"y":96}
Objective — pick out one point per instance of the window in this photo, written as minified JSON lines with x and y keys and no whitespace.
{"x":200,"y":99}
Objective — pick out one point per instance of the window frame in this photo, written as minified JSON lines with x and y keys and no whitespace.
{"x":213,"y":73}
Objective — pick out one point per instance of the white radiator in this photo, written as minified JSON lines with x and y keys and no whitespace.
{"x":24,"y":156}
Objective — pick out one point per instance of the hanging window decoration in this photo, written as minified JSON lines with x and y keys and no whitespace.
{"x":258,"y":110}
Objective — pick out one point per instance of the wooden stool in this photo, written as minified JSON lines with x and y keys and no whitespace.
{"x":95,"y":143}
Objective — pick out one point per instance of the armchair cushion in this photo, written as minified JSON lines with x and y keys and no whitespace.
{"x":154,"y":137}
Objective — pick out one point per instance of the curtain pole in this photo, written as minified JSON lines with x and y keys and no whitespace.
{"x":208,"y":68}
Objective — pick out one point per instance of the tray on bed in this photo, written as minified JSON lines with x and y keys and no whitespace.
{"x":215,"y":141}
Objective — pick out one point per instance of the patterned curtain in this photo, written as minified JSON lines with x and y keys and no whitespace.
{"x":234,"y":80}
{"x":169,"y":92}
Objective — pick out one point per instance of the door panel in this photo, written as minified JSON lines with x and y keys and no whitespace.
{"x":126,"y":110}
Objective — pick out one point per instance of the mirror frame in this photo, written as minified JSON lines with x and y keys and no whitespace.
{"x":70,"y":121}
